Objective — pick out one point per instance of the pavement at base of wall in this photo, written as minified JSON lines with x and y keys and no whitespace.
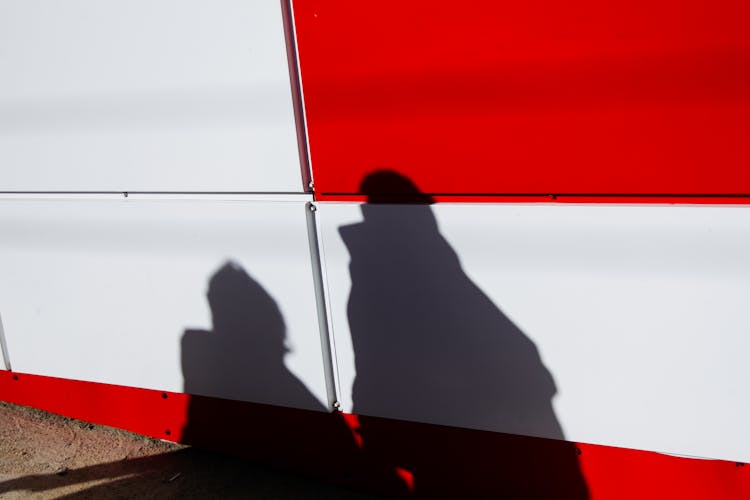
{"x":48,"y":456}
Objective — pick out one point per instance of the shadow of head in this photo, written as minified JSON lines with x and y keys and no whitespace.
{"x":243,"y":311}
{"x":385,"y":219}
{"x":389,"y":186}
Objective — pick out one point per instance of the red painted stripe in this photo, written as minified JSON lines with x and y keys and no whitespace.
{"x":313,"y":442}
{"x":487,"y":97}
{"x":387,"y":456}
{"x":739,"y":199}
{"x":156,"y":414}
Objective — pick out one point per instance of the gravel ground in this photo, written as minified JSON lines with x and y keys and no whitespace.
{"x":48,"y":456}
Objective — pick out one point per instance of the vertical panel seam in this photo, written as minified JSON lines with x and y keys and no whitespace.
{"x":325,"y":328}
{"x":298,"y":95}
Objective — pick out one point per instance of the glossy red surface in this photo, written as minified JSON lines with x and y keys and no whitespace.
{"x":459,"y":462}
{"x":534,"y":98}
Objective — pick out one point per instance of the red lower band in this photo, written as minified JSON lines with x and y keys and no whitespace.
{"x":383,"y":455}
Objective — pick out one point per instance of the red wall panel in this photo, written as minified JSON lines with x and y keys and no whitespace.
{"x":451,"y":461}
{"x":529,"y":98}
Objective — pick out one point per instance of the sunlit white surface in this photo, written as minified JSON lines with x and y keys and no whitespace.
{"x":104,"y":290}
{"x":162,"y":95}
{"x":638,"y":312}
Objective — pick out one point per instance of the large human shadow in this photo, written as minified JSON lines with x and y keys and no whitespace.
{"x":431,"y":347}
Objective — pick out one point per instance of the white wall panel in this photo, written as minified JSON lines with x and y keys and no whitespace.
{"x":164,"y":295}
{"x":160,"y":95}
{"x":632,"y":320}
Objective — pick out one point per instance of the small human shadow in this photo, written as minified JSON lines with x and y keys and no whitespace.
{"x":431,"y":347}
{"x":242,"y":357}
{"x":243,"y":399}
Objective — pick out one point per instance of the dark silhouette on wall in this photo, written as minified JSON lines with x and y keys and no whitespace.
{"x":243,"y":356}
{"x":430,"y":346}
{"x":258,"y":408}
